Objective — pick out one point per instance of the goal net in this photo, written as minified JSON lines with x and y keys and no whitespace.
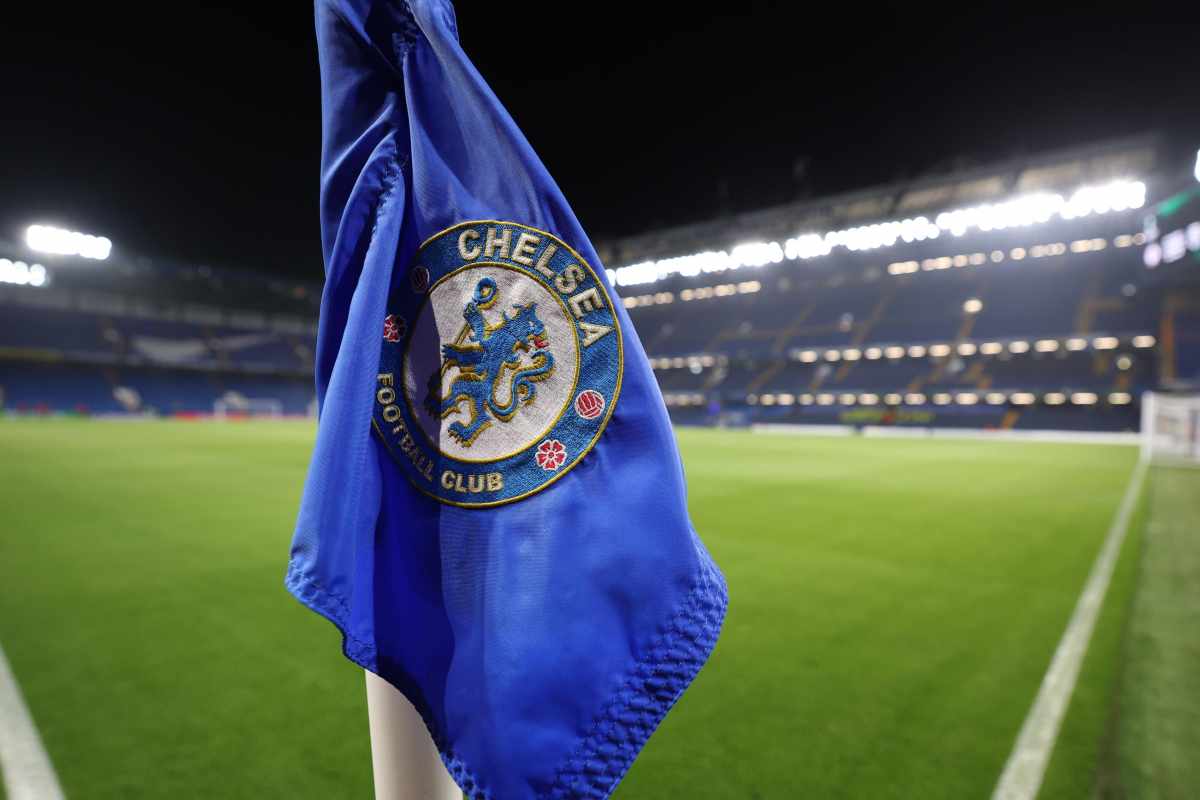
{"x":233,"y":405}
{"x":1171,"y":428}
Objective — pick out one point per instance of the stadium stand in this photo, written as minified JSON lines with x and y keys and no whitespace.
{"x":1001,"y":297}
{"x":1005,"y":317}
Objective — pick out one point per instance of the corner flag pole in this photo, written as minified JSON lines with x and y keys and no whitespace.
{"x":405,"y":762}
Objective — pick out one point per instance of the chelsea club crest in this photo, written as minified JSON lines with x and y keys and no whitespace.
{"x":501,"y":364}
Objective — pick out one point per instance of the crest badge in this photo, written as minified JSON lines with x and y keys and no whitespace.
{"x":501,"y":364}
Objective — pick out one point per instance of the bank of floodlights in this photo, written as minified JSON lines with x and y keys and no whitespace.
{"x":49,"y":239}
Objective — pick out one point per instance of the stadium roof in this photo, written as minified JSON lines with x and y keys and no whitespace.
{"x":1133,"y":158}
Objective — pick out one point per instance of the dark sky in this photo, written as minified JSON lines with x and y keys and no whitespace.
{"x":195,"y":134}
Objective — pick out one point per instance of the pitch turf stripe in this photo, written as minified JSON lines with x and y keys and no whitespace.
{"x":24,"y":765}
{"x":1026,"y":766}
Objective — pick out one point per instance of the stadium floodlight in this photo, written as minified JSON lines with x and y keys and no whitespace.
{"x":942,"y":399}
{"x":967,"y":349}
{"x":1018,"y":346}
{"x":749,"y":254}
{"x":752,"y":399}
{"x":1105,"y":342}
{"x":1120,"y":398}
{"x":914,"y":399}
{"x":1114,"y":196}
{"x":966,"y":398}
{"x":1017,"y":253}
{"x":997,"y":256}
{"x":873,"y":353}
{"x":1145,"y":340}
{"x":1046,"y":345}
{"x":806,"y":246}
{"x":1174,"y":246}
{"x":825,"y":399}
{"x":755,"y":254}
{"x":1152,"y":255}
{"x":1083,"y":398}
{"x":808,"y":356}
{"x":894,"y":351}
{"x":805,"y":399}
{"x":868,"y":399}
{"x":892,"y":399}
{"x":18,"y":273}
{"x":1054,"y":398}
{"x":1040,"y":207}
{"x":995,"y":398}
{"x":916,"y":351}
{"x":1076,"y":343}
{"x":852,"y":354}
{"x":767,"y":400}
{"x":847,"y":399}
{"x":1021,"y":398}
{"x":1019,"y":211}
{"x":990,"y":348}
{"x":832,"y":355}
{"x":786,"y":399}
{"x":49,"y":239}
{"x":1124,"y":362}
{"x":939,"y":350}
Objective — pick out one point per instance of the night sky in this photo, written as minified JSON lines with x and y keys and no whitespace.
{"x":195,"y":135}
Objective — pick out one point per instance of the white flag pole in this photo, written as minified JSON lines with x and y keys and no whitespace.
{"x":405,"y":761}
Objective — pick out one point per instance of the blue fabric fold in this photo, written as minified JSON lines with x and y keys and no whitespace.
{"x":543,"y":638}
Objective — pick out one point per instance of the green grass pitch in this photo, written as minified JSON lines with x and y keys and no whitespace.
{"x":894,"y":604}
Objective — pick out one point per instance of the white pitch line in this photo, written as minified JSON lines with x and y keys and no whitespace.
{"x":1026,"y":766}
{"x":24,"y":765}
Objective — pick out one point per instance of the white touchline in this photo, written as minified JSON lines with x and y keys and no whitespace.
{"x":1026,"y":766}
{"x":24,"y":765}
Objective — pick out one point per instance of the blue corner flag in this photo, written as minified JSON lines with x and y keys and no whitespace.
{"x":495,"y":514}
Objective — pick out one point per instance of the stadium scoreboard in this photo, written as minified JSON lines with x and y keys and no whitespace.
{"x":1172,"y":231}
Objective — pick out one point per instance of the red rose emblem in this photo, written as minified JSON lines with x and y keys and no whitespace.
{"x":551,"y":455}
{"x":394,"y":328}
{"x":589,"y":404}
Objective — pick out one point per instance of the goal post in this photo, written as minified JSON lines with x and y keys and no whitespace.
{"x":1171,"y":428}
